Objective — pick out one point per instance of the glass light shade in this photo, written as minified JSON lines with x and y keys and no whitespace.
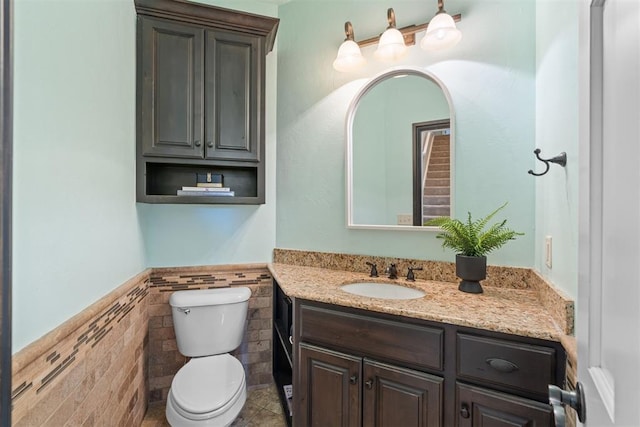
{"x":441,"y":33}
{"x":391,"y":46}
{"x":349,"y":57}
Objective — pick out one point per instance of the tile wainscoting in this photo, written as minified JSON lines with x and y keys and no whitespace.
{"x":103,"y":366}
{"x":91,"y":370}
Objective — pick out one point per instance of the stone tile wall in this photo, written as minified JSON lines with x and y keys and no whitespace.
{"x":255,"y":350}
{"x":102,"y":367}
{"x":91,"y":370}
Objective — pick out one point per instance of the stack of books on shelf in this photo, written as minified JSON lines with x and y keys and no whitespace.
{"x":207,"y":185}
{"x":206,"y":191}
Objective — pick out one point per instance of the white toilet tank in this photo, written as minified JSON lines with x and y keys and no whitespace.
{"x":209,"y":321}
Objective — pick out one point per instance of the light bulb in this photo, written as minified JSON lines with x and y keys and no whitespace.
{"x":441,"y":33}
{"x":349,"y":57}
{"x":391,"y":46}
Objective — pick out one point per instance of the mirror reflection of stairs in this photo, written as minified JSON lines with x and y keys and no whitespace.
{"x":436,"y":199}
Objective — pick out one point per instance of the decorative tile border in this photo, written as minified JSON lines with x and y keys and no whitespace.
{"x":62,"y":360}
{"x":103,"y":365}
{"x":84,"y":341}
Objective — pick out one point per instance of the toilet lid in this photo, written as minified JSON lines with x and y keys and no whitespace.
{"x":207,"y":384}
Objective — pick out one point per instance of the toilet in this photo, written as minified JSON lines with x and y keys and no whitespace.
{"x":210,"y":389}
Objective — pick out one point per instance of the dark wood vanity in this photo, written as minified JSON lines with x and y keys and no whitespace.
{"x":353,"y":367}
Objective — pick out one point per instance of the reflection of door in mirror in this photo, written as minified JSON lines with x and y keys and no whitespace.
{"x":431,"y":170}
{"x":381,"y":147}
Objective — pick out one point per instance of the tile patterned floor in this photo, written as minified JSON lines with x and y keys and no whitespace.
{"x":262,"y":409}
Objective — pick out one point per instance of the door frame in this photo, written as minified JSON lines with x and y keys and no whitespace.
{"x":6,"y":172}
{"x":605,"y":297}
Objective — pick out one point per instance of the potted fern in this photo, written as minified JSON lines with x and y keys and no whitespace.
{"x":472,"y":243}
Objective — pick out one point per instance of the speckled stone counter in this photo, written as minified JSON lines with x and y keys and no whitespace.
{"x":502,"y":309}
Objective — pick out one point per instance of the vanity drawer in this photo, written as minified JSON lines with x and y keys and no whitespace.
{"x":365,"y":335}
{"x":526,"y":367}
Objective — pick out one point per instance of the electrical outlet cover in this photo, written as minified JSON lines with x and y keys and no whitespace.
{"x":547,"y":251}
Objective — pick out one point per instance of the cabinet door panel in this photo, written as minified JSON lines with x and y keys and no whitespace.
{"x":328,"y":395}
{"x":396,"y":396}
{"x":232,"y":91}
{"x":478,"y":407}
{"x":172,"y":97}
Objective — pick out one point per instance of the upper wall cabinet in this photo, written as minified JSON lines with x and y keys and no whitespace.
{"x":201,"y":78}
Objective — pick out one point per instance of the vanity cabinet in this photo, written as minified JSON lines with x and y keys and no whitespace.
{"x":282,"y":360}
{"x":339,"y":389}
{"x":200,"y":100}
{"x":354,"y":367}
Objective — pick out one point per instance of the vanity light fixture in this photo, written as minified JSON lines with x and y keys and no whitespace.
{"x":349,"y":56}
{"x":441,"y":31}
{"x":391,"y":45}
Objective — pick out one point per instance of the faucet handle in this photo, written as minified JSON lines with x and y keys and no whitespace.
{"x":374,"y":269}
{"x":410,"y":276}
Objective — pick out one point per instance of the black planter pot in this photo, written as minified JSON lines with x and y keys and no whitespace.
{"x":471,"y":269}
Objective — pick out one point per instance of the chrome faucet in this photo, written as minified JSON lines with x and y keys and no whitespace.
{"x":392,"y":271}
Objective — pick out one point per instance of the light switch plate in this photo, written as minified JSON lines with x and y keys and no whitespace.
{"x":547,"y":251}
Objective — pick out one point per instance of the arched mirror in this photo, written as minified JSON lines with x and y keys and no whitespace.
{"x":400,"y":139}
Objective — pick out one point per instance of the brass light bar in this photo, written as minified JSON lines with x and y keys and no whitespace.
{"x":408,"y":32}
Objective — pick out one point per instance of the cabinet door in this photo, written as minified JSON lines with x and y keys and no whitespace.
{"x":396,"y":396}
{"x":478,"y":407}
{"x":329,"y":388}
{"x":233,"y":87}
{"x":172,"y":90}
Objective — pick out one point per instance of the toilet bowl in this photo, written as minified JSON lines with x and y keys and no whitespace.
{"x":210,"y":389}
{"x":207,"y":391}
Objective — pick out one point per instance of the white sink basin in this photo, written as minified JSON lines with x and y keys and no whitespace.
{"x":382,"y":290}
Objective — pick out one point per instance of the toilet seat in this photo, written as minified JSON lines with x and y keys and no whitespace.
{"x":206,"y":387}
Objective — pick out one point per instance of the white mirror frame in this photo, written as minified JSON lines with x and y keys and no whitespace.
{"x":351,"y":112}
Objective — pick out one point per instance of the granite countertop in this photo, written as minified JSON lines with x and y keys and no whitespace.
{"x":508,"y":310}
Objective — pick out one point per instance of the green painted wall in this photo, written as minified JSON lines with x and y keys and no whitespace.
{"x":491,"y":78}
{"x":557,"y":125}
{"x":78,"y":232}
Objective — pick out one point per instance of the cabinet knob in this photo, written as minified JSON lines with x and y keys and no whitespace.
{"x":210,"y":144}
{"x":464,"y":411}
{"x":502,"y":365}
{"x":197,"y":143}
{"x":369,"y":384}
{"x":353,"y":379}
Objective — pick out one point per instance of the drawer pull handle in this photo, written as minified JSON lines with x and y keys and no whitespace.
{"x":502,"y":365}
{"x":369,"y":384}
{"x":464,"y":411}
{"x":353,"y":379}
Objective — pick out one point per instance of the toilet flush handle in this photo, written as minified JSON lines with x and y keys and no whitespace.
{"x":184,"y":310}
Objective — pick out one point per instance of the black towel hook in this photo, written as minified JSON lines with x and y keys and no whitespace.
{"x":560,"y":159}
